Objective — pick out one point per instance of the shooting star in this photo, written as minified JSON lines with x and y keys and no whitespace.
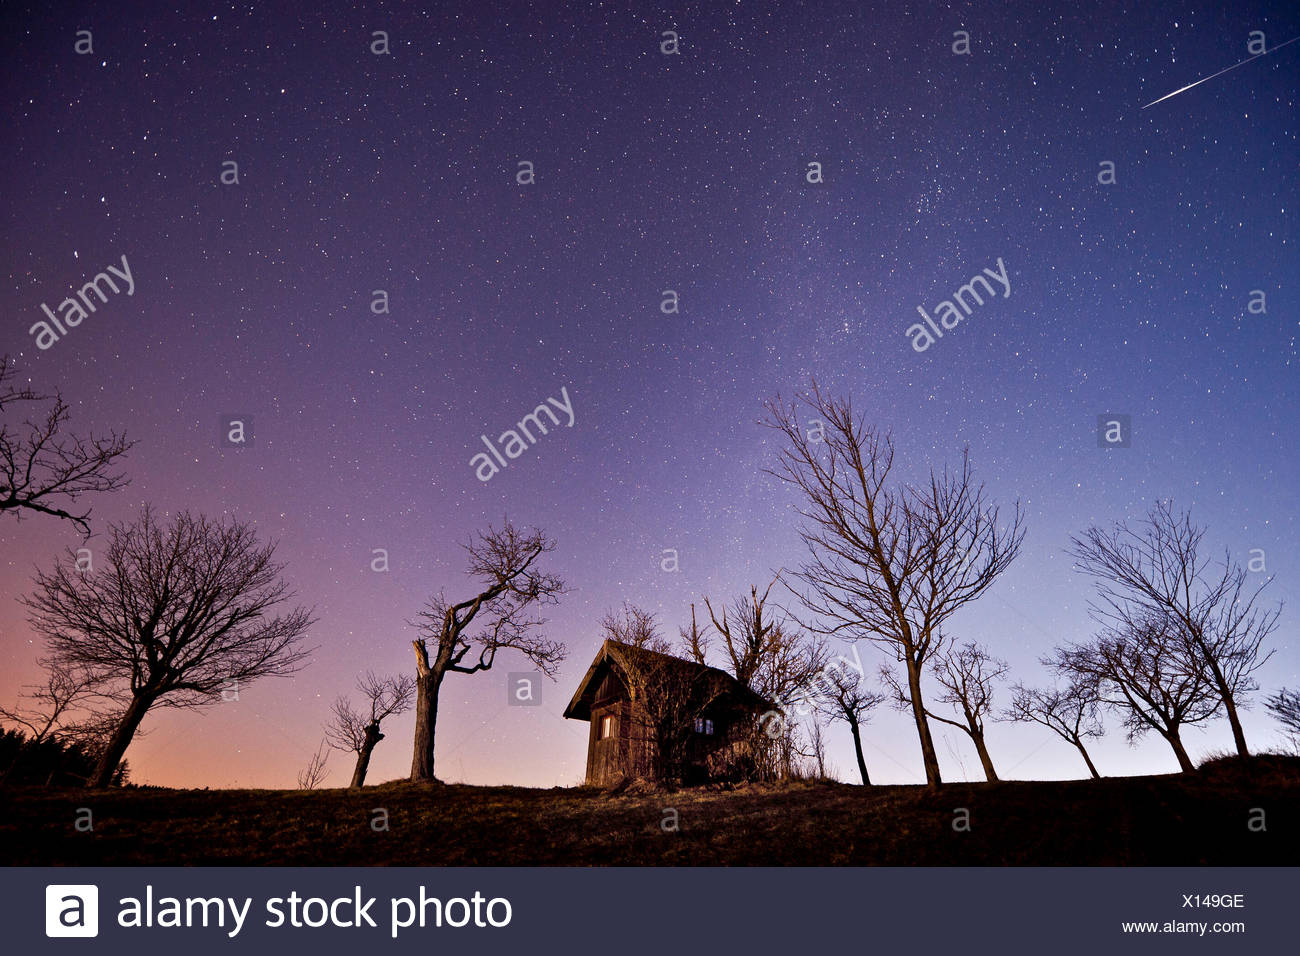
{"x":1221,"y":72}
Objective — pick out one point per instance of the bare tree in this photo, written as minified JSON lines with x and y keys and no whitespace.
{"x":888,"y":563}
{"x":314,"y":774}
{"x":967,"y":675}
{"x":766,"y":650}
{"x":1070,"y":713}
{"x":43,"y":469}
{"x":177,"y":614}
{"x":771,"y":655}
{"x":511,"y":590}
{"x":1141,"y":670}
{"x":49,"y":704}
{"x":845,"y":697}
{"x":1159,"y":568}
{"x":47,"y":710}
{"x":635,"y":626}
{"x":817,"y":749}
{"x":1285,"y":707}
{"x":358,"y":732}
{"x":747,"y":638}
{"x":695,"y":642}
{"x":94,"y":730}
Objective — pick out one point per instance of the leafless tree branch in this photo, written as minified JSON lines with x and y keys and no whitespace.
{"x":45,"y":470}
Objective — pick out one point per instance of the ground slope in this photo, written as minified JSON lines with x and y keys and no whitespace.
{"x":1211,"y":816}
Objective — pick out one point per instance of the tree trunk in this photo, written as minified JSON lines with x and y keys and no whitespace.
{"x":1184,"y":762}
{"x":426,"y":717}
{"x":121,"y":739}
{"x":857,"y":750}
{"x":373,"y":736}
{"x":1238,"y":737}
{"x":1225,"y":693}
{"x":932,"y":777}
{"x":985,"y":759}
{"x":1088,"y":760}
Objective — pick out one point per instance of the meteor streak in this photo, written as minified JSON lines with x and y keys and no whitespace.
{"x":1221,"y":72}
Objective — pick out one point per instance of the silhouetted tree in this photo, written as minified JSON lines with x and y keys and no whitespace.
{"x":817,"y":749}
{"x":766,"y":650}
{"x":358,"y":731}
{"x":51,"y":703}
{"x":67,"y":728}
{"x":1142,"y":671}
{"x":889,"y":563}
{"x":695,"y":642}
{"x":770,"y":654}
{"x":1070,"y":713}
{"x":1285,"y":707}
{"x":314,"y":774}
{"x":51,"y":761}
{"x":175,"y":616}
{"x":1158,"y":568}
{"x":845,"y":696}
{"x":46,"y":711}
{"x":634,"y":626}
{"x":43,"y":469}
{"x":512,"y":588}
{"x":967,"y":675}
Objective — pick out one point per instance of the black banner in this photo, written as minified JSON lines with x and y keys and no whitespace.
{"x":651,"y":911}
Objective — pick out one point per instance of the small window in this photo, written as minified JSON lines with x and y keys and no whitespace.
{"x":703,"y":725}
{"x":606,"y":727}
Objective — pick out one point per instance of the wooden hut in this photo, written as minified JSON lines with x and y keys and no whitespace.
{"x":655,"y":716}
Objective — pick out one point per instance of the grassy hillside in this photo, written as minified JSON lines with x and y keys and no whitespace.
{"x":1196,"y":818}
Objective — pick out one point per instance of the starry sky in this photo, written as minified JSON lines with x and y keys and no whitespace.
{"x":361,"y":171}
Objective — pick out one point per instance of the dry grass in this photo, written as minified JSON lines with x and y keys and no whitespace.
{"x":1185,"y":819}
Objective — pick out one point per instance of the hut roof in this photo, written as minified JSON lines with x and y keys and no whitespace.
{"x":628,"y":658}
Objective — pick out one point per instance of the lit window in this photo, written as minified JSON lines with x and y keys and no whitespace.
{"x":703,"y":726}
{"x":606,"y":726}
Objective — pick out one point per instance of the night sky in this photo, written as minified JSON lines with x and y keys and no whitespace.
{"x":398,"y":172}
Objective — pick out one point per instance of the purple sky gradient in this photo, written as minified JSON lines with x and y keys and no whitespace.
{"x":361,"y":172}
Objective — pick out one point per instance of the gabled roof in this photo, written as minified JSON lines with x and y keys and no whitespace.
{"x":627,"y":658}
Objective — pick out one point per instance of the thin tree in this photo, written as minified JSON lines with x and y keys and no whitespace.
{"x":889,"y":562}
{"x":635,"y":626}
{"x":817,"y":748}
{"x":177,"y":614}
{"x":511,"y":590}
{"x":47,"y":711}
{"x":1071,"y":713}
{"x":694,"y":639}
{"x":1141,"y":670}
{"x":43,"y":468}
{"x":770,"y":654}
{"x":1285,"y":708}
{"x":767,"y":651}
{"x":50,"y":703}
{"x":1159,"y":567}
{"x":314,"y":774}
{"x":358,"y":731}
{"x":845,"y":697}
{"x":967,"y":675}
